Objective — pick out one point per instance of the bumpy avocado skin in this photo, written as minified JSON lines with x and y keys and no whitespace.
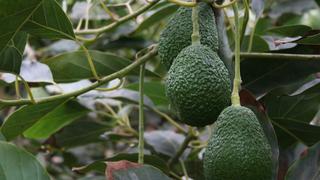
{"x":198,"y":86}
{"x":177,"y":34}
{"x":238,"y":148}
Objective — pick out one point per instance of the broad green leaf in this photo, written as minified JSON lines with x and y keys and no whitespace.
{"x":154,"y":90}
{"x":310,"y":40}
{"x":76,"y":135}
{"x":100,"y":166}
{"x":262,"y":75}
{"x":307,"y":167}
{"x":20,"y":41}
{"x":49,"y":21}
{"x":125,"y":170}
{"x":156,"y":17}
{"x":18,"y":164}
{"x":289,"y":131}
{"x":13,"y":15}
{"x":291,"y":115}
{"x":10,"y":59}
{"x":27,"y":116}
{"x":74,"y":66}
{"x":59,"y":118}
{"x":302,"y":107}
{"x":318,"y":2}
{"x":290,"y":30}
{"x":11,"y":55}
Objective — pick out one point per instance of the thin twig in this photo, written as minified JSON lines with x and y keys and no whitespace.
{"x":119,"y":22}
{"x":141,"y":115}
{"x":169,"y":119}
{"x":182,"y":148}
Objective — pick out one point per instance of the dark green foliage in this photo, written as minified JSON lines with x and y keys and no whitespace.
{"x":177,"y":34}
{"x":238,"y":148}
{"x":198,"y":85}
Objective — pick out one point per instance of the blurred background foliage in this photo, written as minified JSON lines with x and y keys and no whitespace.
{"x":102,"y":126}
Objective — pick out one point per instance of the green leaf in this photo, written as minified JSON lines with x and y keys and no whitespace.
{"x":11,"y":60}
{"x":302,"y":107}
{"x":49,"y":21}
{"x":11,"y":55}
{"x":125,"y":170}
{"x":262,"y":75}
{"x":307,"y":167}
{"x":13,"y":15}
{"x":27,"y":116}
{"x":18,"y":164}
{"x":318,"y":2}
{"x":290,"y":131}
{"x":310,"y":40}
{"x":154,"y":90}
{"x":76,"y":135}
{"x":74,"y":66}
{"x":59,"y":118}
{"x":291,"y":115}
{"x":290,"y":30}
{"x":156,"y":17}
{"x":20,"y":41}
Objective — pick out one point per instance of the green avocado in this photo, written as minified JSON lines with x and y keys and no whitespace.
{"x":238,"y":148}
{"x":198,"y":86}
{"x":177,"y":34}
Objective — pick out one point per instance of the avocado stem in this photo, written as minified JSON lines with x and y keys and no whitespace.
{"x":235,"y":98}
{"x":195,"y":23}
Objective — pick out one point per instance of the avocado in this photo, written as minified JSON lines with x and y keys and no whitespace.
{"x":238,"y":148}
{"x":177,"y":34}
{"x":198,"y":86}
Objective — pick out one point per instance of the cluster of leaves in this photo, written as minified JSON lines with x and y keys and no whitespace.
{"x":44,"y":46}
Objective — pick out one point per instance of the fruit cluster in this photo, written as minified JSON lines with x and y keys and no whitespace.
{"x":198,"y":83}
{"x":199,"y":89}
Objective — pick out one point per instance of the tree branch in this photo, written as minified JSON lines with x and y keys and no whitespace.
{"x":123,"y":72}
{"x":118,"y":22}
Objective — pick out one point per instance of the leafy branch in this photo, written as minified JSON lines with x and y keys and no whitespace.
{"x":152,"y":52}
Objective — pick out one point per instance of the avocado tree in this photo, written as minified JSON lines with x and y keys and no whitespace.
{"x":159,"y":89}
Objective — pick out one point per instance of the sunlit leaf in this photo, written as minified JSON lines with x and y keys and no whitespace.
{"x":19,"y":164}
{"x":27,"y":116}
{"x":49,"y":124}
